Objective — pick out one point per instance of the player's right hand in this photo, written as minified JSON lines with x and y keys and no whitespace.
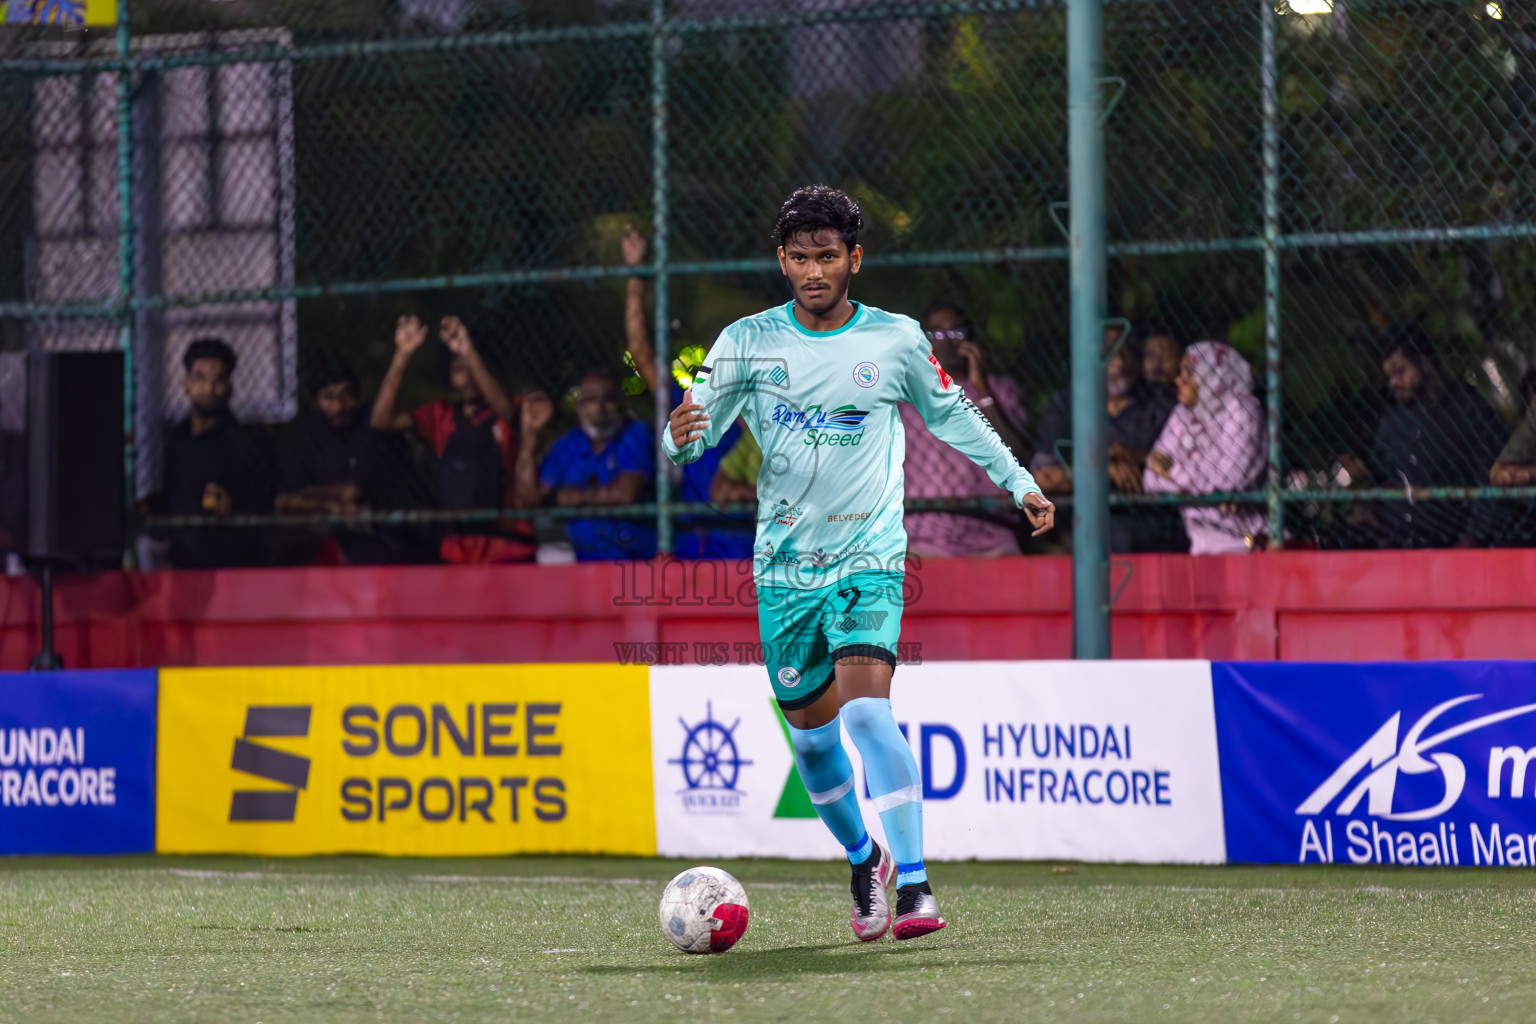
{"x":688,"y":421}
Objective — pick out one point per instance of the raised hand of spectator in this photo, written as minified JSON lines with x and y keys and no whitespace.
{"x":633,"y":246}
{"x":537,"y":411}
{"x":410,"y":334}
{"x":456,"y":336}
{"x":975,"y":362}
{"x":217,"y":500}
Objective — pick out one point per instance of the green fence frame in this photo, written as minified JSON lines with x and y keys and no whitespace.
{"x":1087,"y":253}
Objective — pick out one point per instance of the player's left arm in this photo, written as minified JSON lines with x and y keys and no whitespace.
{"x":954,"y":419}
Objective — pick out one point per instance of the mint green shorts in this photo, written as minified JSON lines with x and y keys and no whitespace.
{"x":806,"y":631}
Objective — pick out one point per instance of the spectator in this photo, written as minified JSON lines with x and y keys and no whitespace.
{"x":935,"y":470}
{"x":214,"y":466}
{"x":1437,"y":432}
{"x":1162,"y":362}
{"x":1516,"y":464}
{"x":608,"y":459}
{"x":1513,"y":523}
{"x":344,"y":466}
{"x":473,"y":438}
{"x":697,"y":536}
{"x":1214,"y":441}
{"x":1136,"y":418}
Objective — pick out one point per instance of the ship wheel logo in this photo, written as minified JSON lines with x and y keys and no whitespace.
{"x":710,"y":759}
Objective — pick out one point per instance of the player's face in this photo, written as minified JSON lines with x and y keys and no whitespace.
{"x":818,"y":267}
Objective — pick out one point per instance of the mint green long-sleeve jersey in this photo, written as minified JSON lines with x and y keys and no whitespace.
{"x":822,"y":405}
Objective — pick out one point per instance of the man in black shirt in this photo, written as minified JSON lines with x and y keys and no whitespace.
{"x":214,"y":466}
{"x":1438,"y":431}
{"x":343,"y":466}
{"x":1136,"y":417}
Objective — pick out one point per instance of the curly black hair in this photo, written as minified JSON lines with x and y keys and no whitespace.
{"x":209,"y":348}
{"x":819,"y":208}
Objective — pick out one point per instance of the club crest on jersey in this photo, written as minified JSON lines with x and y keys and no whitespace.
{"x":866,"y":375}
{"x":789,"y":678}
{"x":945,"y":380}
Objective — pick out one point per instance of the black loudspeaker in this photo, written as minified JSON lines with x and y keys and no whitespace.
{"x":75,"y":444}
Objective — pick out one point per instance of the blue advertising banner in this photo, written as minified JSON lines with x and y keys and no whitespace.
{"x":1393,"y":763}
{"x":77,"y":762}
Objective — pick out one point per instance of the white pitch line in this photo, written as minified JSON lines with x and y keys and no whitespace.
{"x":251,"y":876}
{"x":531,"y":880}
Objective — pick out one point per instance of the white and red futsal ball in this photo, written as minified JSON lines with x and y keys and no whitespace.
{"x":704,"y":910}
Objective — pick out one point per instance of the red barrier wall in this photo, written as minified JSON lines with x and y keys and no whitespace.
{"x":1291,"y":605}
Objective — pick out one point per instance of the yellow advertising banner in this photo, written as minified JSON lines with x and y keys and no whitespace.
{"x":67,"y":13}
{"x":414,"y":760}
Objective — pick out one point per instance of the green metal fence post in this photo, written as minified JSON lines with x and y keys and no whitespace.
{"x":663,"y":326}
{"x":1270,"y":74}
{"x":125,"y":270}
{"x":1090,"y":471}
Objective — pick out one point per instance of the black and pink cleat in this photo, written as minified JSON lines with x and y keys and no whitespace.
{"x":917,"y":912}
{"x":871,"y":905}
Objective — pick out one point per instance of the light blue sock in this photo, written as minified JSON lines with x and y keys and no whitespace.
{"x":894,"y":785}
{"x":828,"y":777}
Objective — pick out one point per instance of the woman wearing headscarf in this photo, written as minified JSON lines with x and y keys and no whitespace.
{"x":1214,"y":441}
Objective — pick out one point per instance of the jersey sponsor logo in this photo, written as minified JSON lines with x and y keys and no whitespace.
{"x":858,"y":620}
{"x":785,"y":514}
{"x":788,"y":678}
{"x":844,"y":418}
{"x":866,"y":375}
{"x":779,"y":376}
{"x":847,"y":517}
{"x":945,"y":380}
{"x":821,"y":558}
{"x":825,"y":438}
{"x":779,"y":557}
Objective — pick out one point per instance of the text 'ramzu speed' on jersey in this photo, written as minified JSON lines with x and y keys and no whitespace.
{"x":822,"y":405}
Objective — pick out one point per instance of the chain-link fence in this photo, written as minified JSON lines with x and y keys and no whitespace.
{"x":1340,"y":192}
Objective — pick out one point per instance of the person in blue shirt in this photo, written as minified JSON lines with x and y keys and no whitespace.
{"x":717,"y":536}
{"x":607,"y":459}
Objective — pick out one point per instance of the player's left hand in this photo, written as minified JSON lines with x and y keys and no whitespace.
{"x":1041,"y":512}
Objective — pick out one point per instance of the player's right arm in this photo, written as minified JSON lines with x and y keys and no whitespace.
{"x":709,"y":407}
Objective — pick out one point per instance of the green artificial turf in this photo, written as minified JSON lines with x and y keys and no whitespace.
{"x":357,"y":939}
